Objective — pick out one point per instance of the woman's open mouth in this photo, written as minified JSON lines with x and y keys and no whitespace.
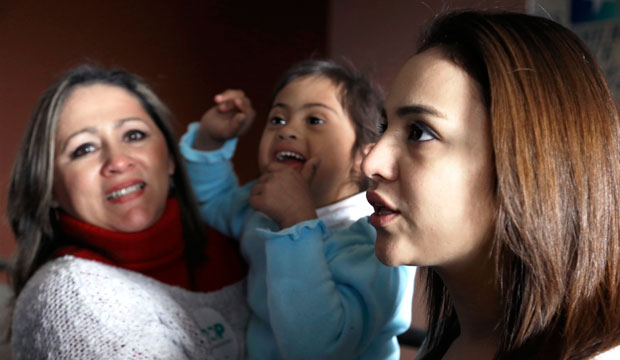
{"x":384,"y":213}
{"x":129,"y":190}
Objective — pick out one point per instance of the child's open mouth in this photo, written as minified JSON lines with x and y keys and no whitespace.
{"x":291,"y":159}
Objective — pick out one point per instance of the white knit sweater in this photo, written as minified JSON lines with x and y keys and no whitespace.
{"x":81,"y":309}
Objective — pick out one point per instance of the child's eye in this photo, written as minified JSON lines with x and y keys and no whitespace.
{"x":134,"y":135}
{"x":276,"y":120}
{"x":313,"y":120}
{"x":82,"y":150}
{"x":420,"y":132}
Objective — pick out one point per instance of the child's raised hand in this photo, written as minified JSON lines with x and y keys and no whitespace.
{"x":230,"y":117}
{"x":284,"y":195}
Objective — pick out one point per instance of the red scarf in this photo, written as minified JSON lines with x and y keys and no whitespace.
{"x":157,"y":252}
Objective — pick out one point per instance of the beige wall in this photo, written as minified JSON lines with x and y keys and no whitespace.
{"x":379,"y":35}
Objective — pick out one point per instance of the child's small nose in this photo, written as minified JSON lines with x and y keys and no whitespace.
{"x":284,"y":136}
{"x":287,"y":132}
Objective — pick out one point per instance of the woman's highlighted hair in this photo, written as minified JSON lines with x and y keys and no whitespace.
{"x":556,"y":140}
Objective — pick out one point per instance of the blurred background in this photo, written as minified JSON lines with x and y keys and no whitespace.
{"x":190,"y":50}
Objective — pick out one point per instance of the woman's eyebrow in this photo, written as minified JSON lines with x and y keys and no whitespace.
{"x":120,"y":122}
{"x":419,"y":110}
{"x":93,"y":130}
{"x":90,"y":130}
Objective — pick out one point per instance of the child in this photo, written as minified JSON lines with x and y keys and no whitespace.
{"x":315,"y":287}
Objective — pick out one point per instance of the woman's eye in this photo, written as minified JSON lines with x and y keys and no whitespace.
{"x":420,"y":133}
{"x":134,"y":135}
{"x":82,"y":150}
{"x":276,"y":120}
{"x":382,"y":127}
{"x":313,"y":120}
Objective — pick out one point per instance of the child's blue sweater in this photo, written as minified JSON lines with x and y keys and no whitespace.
{"x":314,"y":292}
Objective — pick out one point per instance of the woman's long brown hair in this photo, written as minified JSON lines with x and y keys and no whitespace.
{"x":556,"y":139}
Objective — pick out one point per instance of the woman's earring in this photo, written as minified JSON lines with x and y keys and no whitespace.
{"x":54,"y":214}
{"x":171,"y":186}
{"x":54,"y":208}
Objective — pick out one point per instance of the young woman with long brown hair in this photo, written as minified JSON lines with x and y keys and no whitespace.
{"x":498,"y":172}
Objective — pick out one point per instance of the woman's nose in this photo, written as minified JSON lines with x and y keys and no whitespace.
{"x":116,"y":162}
{"x":380,"y":162}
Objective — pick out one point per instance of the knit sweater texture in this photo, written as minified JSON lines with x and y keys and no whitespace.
{"x":129,"y":298}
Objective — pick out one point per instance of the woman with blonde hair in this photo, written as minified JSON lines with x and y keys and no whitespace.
{"x":112,"y":260}
{"x":498,"y":172}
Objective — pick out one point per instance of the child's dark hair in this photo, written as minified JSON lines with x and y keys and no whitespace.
{"x":361,"y":98}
